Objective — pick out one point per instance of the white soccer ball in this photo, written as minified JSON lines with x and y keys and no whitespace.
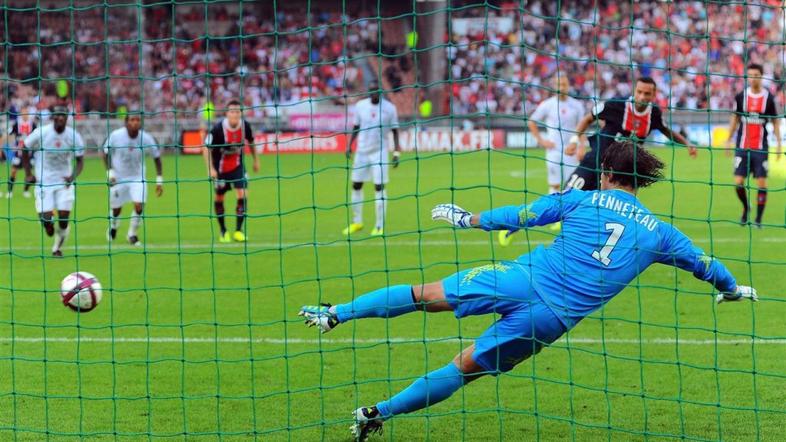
{"x":80,"y":291}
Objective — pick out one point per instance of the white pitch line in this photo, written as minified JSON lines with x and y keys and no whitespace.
{"x":343,"y":243}
{"x":331,"y":341}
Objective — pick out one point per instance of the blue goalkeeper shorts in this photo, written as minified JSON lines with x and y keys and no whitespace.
{"x":526,"y":324}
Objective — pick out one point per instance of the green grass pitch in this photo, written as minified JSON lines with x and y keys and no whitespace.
{"x":197,"y":340}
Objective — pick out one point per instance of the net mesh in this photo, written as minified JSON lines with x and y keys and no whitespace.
{"x":199,"y":339}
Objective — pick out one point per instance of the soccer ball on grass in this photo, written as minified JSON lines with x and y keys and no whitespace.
{"x":81,"y":292}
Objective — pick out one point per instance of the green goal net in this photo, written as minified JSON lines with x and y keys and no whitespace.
{"x":197,"y":336}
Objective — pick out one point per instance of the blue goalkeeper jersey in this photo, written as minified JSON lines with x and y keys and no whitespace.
{"x":608,"y":238}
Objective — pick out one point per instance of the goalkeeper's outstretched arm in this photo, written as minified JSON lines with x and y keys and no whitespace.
{"x":677,"y":250}
{"x":546,"y":210}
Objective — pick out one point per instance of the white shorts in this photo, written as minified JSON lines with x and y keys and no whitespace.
{"x":559,"y":173}
{"x":57,"y":197}
{"x":370,"y":167}
{"x":122,"y":193}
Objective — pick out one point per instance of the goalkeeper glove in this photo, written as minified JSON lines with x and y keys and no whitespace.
{"x":742,"y":292}
{"x":453,"y":214}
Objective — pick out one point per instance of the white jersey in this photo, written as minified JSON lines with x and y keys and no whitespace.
{"x":375,"y":121}
{"x":560,"y":119}
{"x":128,"y":154}
{"x":54,"y":153}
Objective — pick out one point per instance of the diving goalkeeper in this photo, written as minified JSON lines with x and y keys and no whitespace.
{"x":608,"y":238}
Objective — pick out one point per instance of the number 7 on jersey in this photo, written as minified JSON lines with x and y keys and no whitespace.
{"x":602,"y":255}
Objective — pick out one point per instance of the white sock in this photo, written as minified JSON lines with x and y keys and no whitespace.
{"x":61,"y":235}
{"x":357,"y":206}
{"x":133,"y":226}
{"x":381,"y":203}
{"x":114,"y":221}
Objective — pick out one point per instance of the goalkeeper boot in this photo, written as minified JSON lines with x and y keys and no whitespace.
{"x":353,"y":228}
{"x":556,"y":227}
{"x":239,"y":236}
{"x":225,"y":237}
{"x":377,"y":231}
{"x":367,"y":421}
{"x":319,"y":315}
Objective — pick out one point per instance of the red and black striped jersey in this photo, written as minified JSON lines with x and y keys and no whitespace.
{"x":754,"y":111}
{"x":226,"y":144}
{"x":22,"y":128}
{"x":623,"y":120}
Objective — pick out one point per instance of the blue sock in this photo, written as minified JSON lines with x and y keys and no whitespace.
{"x":432,"y":388}
{"x":386,"y":302}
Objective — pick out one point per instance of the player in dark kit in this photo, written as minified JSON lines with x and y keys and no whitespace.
{"x":23,"y":126}
{"x":630,"y":118}
{"x":755,"y":106}
{"x":223,"y":152}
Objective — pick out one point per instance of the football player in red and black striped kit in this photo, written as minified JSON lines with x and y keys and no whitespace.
{"x":631,"y":118}
{"x":22,"y":127}
{"x":223,"y":152}
{"x":755,"y":106}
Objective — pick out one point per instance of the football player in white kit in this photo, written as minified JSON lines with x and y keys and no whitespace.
{"x":124,"y":158}
{"x":54,"y":147}
{"x":374,"y":117}
{"x":560,"y":114}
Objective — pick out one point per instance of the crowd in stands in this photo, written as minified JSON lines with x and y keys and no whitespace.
{"x":696,"y":52}
{"x":286,"y":59}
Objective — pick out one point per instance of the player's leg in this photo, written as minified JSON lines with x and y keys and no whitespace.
{"x":137,"y":193}
{"x":469,"y":292}
{"x":62,"y":230}
{"x":240,"y":210}
{"x":12,"y":178}
{"x":44,"y":206}
{"x":47,"y":223}
{"x":64,"y":202}
{"x":133,"y":225}
{"x":221,"y":189}
{"x":114,"y":223}
{"x":361,"y":172}
{"x":741,"y":171}
{"x":760,"y":168}
{"x":514,"y":338}
{"x":118,"y":196}
{"x":387,"y":302}
{"x":430,"y":389}
{"x":380,"y":206}
{"x":379,"y":173}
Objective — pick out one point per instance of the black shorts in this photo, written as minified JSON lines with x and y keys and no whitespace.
{"x":235,"y":178}
{"x":583,"y":179}
{"x":748,"y":162}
